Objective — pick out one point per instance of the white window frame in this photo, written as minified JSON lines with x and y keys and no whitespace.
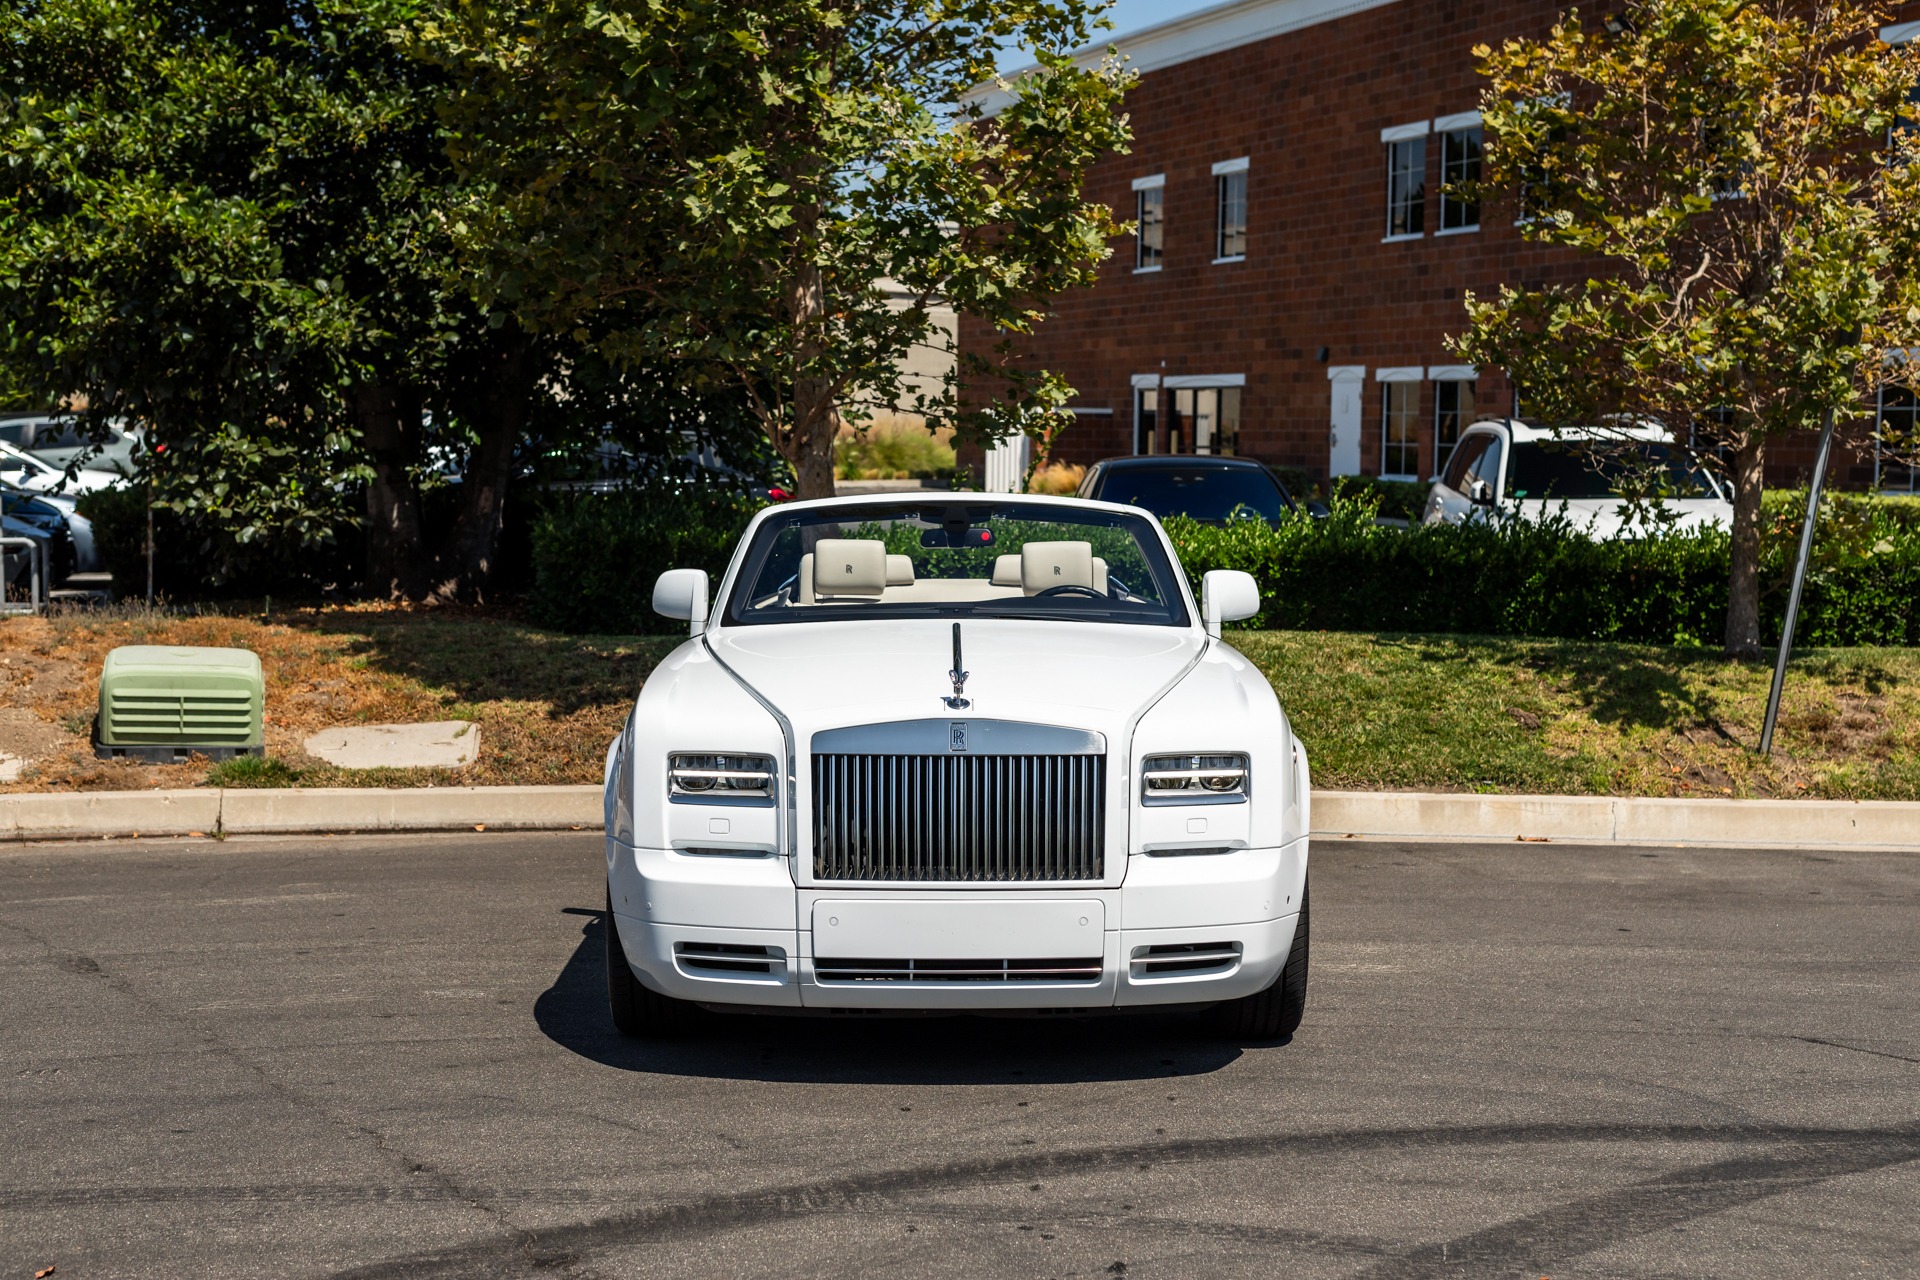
{"x":1879,"y":460}
{"x":1444,"y":127}
{"x":1390,"y":135}
{"x":1226,"y":169}
{"x":1455,"y":374}
{"x":1400,"y":375}
{"x":1152,"y":182}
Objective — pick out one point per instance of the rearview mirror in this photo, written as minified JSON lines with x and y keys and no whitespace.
{"x":1227,"y":595}
{"x":682,"y":593}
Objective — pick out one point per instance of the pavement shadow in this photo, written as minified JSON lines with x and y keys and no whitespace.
{"x":910,"y":1051}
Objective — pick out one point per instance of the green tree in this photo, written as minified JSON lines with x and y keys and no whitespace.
{"x":225,"y":222}
{"x":1739,"y":172}
{"x":740,"y":180}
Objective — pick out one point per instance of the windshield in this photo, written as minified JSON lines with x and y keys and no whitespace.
{"x":956,"y":560}
{"x":1572,"y":469}
{"x":1205,"y":493}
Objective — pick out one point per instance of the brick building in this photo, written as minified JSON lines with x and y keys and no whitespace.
{"x":1298,"y":267}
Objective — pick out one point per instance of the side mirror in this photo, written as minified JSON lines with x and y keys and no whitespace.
{"x":1227,"y":595}
{"x":1480,"y":493}
{"x":1318,"y":510}
{"x":682,"y":593}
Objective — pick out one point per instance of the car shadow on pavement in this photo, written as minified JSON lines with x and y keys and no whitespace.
{"x":911,"y":1051}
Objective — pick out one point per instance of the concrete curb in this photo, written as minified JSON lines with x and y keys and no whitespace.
{"x":1825,"y":824}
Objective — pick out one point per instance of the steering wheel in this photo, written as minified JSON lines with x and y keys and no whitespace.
{"x":1066,"y":587}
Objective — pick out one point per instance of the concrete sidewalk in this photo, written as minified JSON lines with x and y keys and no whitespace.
{"x":1826,"y":824}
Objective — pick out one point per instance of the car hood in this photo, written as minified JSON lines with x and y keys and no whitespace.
{"x":828,"y":675}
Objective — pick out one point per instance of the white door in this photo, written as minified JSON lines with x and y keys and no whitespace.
{"x":1346,"y":383}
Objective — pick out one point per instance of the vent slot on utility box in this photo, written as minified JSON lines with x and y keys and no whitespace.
{"x":1185,"y":959}
{"x":869,"y":969}
{"x":729,"y":960}
{"x":168,"y":702}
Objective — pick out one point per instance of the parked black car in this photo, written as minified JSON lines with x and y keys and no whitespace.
{"x":1213,"y":490}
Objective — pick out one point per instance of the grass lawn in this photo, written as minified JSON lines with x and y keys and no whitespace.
{"x":1430,"y":713}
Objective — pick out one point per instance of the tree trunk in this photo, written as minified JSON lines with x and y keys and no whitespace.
{"x":1743,"y":581}
{"x":816,"y":420}
{"x":397,"y":563}
{"x":815,"y":424}
{"x":500,"y":412}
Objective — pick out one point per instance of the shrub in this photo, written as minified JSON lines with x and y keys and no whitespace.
{"x":595,"y":555}
{"x":896,"y":449}
{"x":1395,"y":499}
{"x":1347,"y":573}
{"x":1057,"y":478}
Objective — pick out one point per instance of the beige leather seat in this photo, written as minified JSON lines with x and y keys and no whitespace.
{"x":844,"y":569}
{"x":1006,"y":571}
{"x":1045,"y":565}
{"x":899,"y":571}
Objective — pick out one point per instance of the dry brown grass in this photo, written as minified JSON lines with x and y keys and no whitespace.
{"x":546,"y":704}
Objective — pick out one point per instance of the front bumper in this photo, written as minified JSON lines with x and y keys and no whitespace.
{"x":738,"y":931}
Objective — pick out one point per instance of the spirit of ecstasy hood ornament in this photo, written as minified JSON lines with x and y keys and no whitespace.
{"x":958,"y":702}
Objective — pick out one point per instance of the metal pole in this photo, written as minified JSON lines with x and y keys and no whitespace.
{"x":149,"y":546}
{"x":1799,"y":581}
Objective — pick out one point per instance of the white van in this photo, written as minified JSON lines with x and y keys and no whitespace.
{"x":1504,"y":468}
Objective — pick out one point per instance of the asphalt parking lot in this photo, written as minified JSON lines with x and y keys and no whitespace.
{"x":386,"y":1058}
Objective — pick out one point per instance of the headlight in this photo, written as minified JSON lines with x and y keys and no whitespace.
{"x":719,"y":778}
{"x":1194,"y":779}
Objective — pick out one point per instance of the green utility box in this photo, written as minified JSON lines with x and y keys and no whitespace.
{"x":165,"y":703}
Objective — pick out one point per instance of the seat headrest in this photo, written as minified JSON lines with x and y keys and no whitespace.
{"x":849,"y":567}
{"x":1006,"y":571}
{"x":899,"y":571}
{"x":1055,"y":564}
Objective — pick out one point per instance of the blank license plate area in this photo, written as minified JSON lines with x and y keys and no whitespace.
{"x":959,"y":930}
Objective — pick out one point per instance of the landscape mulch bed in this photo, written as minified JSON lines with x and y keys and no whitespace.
{"x":1377,"y":712}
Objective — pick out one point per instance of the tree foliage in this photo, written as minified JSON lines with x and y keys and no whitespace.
{"x":743,"y":180}
{"x":1740,"y":175}
{"x":226,"y":223}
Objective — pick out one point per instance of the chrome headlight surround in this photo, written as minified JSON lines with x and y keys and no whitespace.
{"x":1219,"y":777}
{"x":710,"y":777}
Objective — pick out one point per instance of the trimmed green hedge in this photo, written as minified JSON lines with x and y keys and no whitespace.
{"x":595,"y":555}
{"x":1347,"y":573}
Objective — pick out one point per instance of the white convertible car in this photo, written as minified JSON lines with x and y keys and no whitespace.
{"x":964,"y":753}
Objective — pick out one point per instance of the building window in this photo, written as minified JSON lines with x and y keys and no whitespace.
{"x":1146,"y":421}
{"x":1460,"y":147}
{"x":1201,"y":415}
{"x":1896,"y":441}
{"x":1206,"y":421}
{"x":1150,"y":214}
{"x":1406,"y":180}
{"x":1452,"y":413}
{"x":1230,"y":204}
{"x":1399,"y":430}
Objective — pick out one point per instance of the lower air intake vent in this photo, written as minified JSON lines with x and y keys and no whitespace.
{"x":872,"y":970}
{"x":1185,"y":959}
{"x":728,"y":960}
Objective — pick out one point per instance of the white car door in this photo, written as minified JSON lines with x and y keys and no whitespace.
{"x":1472,"y":479}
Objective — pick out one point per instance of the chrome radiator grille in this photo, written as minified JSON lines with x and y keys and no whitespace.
{"x":1005,"y":818}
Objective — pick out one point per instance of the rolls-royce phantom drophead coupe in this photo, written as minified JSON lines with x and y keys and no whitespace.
{"x":950,"y":752}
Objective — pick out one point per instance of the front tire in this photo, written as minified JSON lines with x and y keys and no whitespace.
{"x":1275,"y":1012}
{"x":638,"y":1011}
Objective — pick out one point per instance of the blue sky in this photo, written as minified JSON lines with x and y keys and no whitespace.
{"x":1131,"y":15}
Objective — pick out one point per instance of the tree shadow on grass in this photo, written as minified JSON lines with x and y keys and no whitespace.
{"x":1619,"y":685}
{"x":482,"y":659}
{"x":861,"y":1050}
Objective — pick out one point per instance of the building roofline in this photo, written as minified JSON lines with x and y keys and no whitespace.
{"x":1198,"y":35}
